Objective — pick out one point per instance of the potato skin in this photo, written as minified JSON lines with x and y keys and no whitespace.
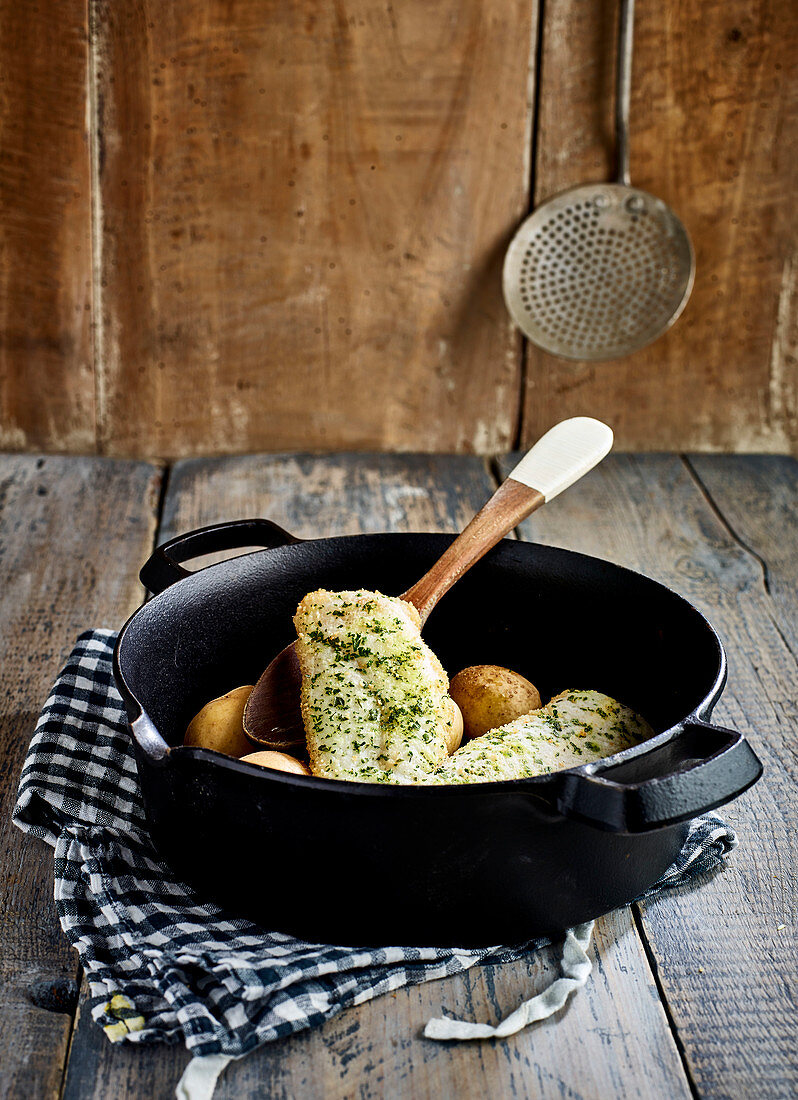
{"x":220,"y":724}
{"x":279,"y":761}
{"x":490,"y":696}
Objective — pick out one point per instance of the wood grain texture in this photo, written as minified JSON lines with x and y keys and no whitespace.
{"x":283,"y":225}
{"x":72,"y":534}
{"x":615,"y":1030}
{"x":758,"y":498}
{"x":97,"y":1070}
{"x":304,"y":209}
{"x":317,"y":496}
{"x":46,"y":358}
{"x":726,"y":966}
{"x":714,"y":133}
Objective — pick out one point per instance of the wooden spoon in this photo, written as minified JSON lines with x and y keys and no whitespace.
{"x":272,"y":716}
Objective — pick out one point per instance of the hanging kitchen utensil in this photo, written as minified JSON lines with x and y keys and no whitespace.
{"x":600,"y":270}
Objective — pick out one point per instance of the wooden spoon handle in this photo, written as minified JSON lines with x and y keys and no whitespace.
{"x":559,"y":458}
{"x":511,"y":503}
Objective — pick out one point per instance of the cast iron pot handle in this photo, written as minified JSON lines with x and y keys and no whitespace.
{"x":164,"y":567}
{"x":700,"y":768}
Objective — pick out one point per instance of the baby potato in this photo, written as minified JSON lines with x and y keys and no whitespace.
{"x":453,"y":731}
{"x":279,"y":761}
{"x":220,"y":724}
{"x":489,"y":696}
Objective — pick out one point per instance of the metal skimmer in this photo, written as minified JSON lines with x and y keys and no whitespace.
{"x":602,"y":269}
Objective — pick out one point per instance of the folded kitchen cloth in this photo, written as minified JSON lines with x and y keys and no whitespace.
{"x":164,"y":965}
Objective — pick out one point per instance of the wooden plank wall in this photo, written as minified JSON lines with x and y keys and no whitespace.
{"x":236,"y":225}
{"x":714,"y":132}
{"x":46,"y":346}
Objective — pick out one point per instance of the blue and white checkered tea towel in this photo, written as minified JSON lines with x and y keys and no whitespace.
{"x":162,"y":964}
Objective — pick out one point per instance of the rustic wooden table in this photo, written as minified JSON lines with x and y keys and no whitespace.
{"x":693,"y":994}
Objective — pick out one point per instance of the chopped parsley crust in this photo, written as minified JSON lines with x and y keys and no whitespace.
{"x":374,"y":696}
{"x":576,"y":727}
{"x":376,"y":709}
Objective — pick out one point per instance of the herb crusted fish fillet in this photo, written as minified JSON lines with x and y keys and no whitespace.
{"x":374,"y":695}
{"x":576,"y":727}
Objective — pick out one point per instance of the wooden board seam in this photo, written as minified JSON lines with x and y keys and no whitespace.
{"x":702,"y":488}
{"x":161,"y":471}
{"x":73,"y":1019}
{"x":739,"y":541}
{"x":637,"y":924}
{"x":652,"y":964}
{"x":96,"y":230}
{"x":536,"y":71}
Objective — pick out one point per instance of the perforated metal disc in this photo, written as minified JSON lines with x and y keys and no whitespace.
{"x":598,"y":272}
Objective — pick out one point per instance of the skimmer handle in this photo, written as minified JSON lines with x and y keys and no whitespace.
{"x":623,"y":89}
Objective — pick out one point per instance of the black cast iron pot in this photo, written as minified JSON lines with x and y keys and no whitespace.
{"x":476,"y":864}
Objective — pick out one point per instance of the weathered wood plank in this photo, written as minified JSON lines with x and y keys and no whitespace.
{"x":72,"y":534}
{"x":46,"y":358}
{"x":726,"y":968}
{"x":315,"y":497}
{"x":614,"y":1031}
{"x":301,"y":216}
{"x":714,"y":134}
{"x":98,"y":1070}
{"x":303,"y":224}
{"x":617,"y":1041}
{"x":757,"y":496}
{"x":609,"y":1030}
